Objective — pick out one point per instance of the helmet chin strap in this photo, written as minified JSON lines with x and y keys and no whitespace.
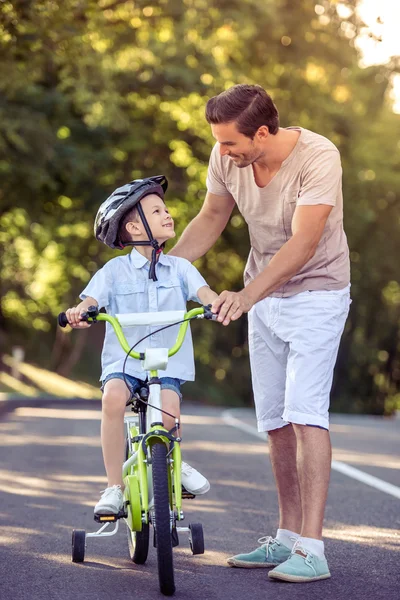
{"x":157,"y":249}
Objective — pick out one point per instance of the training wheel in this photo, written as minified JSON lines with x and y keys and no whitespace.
{"x":196,"y":538}
{"x":78,"y":545}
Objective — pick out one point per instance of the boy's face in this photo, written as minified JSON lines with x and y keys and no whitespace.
{"x":160,"y":221}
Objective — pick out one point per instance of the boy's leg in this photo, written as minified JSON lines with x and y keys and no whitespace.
{"x":170,"y":403}
{"x":192,"y":480}
{"x":115,"y":397}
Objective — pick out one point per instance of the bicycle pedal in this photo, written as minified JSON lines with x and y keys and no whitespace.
{"x":187,"y":495}
{"x":111,"y":518}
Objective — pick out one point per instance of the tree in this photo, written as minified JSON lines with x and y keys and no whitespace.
{"x":98,"y":93}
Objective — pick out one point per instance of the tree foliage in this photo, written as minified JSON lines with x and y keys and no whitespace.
{"x":95,"y":93}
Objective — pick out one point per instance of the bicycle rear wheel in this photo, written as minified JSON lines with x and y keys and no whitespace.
{"x":162,"y":514}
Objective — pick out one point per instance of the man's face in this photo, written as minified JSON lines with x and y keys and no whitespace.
{"x":242,"y":150}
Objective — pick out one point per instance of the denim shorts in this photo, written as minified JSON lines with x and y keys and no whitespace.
{"x":167,"y":383}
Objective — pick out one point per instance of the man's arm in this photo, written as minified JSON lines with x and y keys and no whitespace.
{"x":307,"y":226}
{"x":204,"y":230}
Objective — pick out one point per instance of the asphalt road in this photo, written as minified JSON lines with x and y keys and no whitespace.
{"x":51,"y":474}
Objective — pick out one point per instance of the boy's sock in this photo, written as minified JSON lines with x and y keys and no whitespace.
{"x":314,"y":546}
{"x":287,"y":537}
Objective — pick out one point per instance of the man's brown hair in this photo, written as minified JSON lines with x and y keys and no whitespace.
{"x":249,"y":106}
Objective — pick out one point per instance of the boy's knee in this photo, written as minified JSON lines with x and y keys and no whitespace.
{"x":170,"y":399}
{"x":114,"y":398}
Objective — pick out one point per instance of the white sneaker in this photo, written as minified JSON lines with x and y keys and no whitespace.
{"x":111,"y":501}
{"x":193,"y":481}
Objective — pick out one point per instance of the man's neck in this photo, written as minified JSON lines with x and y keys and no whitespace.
{"x":277,"y":150}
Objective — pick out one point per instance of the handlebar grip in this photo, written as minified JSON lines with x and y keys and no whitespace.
{"x":208,"y":314}
{"x":62,"y":319}
{"x":91,"y":313}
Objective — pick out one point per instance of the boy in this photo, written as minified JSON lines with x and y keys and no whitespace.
{"x":142,"y":281}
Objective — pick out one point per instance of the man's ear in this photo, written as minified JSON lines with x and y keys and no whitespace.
{"x":133,"y":228}
{"x":262,"y":133}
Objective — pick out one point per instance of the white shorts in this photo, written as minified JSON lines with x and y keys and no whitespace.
{"x":293,"y":345}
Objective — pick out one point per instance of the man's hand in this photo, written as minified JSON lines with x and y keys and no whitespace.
{"x":231,"y":305}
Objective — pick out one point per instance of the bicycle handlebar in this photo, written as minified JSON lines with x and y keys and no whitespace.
{"x":92,"y":315}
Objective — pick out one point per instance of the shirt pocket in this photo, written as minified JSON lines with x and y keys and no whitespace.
{"x":289,"y":206}
{"x":170,"y":294}
{"x":130,"y":297}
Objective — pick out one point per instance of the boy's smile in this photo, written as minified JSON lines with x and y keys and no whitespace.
{"x":159,"y":220}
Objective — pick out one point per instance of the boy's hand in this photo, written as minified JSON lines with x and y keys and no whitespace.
{"x":74,"y":315}
{"x":231,"y":305}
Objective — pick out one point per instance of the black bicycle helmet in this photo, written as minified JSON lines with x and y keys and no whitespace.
{"x":111,"y":212}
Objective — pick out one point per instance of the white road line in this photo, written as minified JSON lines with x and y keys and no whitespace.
{"x":374,"y":482}
{"x":341,"y":467}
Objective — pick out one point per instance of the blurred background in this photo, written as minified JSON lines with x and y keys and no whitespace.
{"x":96,"y":93}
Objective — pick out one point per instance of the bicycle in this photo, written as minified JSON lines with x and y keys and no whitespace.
{"x":152,"y":470}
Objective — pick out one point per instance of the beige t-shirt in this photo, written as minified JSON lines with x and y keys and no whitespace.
{"x":311,"y":174}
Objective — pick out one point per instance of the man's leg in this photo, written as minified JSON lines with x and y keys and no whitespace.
{"x":313,"y":323}
{"x":283,"y":452}
{"x":268,"y":359}
{"x":314,"y":456}
{"x":276,"y":550}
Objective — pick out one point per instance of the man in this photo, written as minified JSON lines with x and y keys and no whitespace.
{"x":286,"y":183}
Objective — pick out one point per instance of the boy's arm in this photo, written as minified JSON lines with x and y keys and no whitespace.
{"x":206,"y":295}
{"x":96,"y":293}
{"x":74,"y":314}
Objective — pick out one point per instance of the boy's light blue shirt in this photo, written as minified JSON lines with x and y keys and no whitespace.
{"x":123,"y":286}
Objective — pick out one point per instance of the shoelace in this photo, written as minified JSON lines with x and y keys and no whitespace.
{"x":268,"y":540}
{"x":298,"y":546}
{"x":108,"y":490}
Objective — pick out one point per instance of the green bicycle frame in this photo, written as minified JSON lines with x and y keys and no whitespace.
{"x":136,"y":464}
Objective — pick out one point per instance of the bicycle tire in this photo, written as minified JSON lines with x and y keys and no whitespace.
{"x":162,"y":519}
{"x":78,"y":545}
{"x":138,"y":544}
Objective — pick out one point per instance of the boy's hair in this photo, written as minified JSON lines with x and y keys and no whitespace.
{"x":131,"y":215}
{"x":249,"y":106}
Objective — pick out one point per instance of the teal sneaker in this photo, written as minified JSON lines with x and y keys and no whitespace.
{"x":301,"y":566}
{"x":270,"y":554}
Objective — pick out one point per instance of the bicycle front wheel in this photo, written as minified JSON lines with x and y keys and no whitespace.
{"x":162,"y":516}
